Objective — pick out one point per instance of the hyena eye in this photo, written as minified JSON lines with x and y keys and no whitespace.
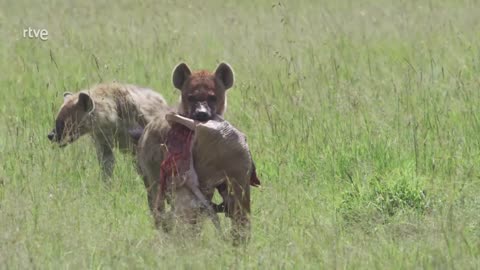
{"x":191,"y":98}
{"x":212,"y":98}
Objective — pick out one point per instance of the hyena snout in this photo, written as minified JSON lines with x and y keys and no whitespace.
{"x":56,"y":134}
{"x":202,"y":112}
{"x":51,"y":136}
{"x":54,"y":137}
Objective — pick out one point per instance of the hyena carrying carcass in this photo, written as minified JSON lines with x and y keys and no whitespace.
{"x":107,"y":112}
{"x":203,"y":98}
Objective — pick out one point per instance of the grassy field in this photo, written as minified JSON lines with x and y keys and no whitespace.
{"x":363,"y":118}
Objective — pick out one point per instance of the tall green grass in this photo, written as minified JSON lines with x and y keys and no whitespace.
{"x":362,"y":117}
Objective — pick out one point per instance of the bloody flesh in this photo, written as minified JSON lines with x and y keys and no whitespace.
{"x":177,"y":159}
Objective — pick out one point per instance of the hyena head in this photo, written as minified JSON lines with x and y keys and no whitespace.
{"x":203,"y":92}
{"x":74,"y":118}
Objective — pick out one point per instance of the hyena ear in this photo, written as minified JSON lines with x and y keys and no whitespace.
{"x":224,"y":73}
{"x":66,"y":94}
{"x":180,"y":74}
{"x":86,"y":102}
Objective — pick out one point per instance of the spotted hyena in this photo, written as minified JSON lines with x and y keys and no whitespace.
{"x":106,"y":112}
{"x":202,"y":98}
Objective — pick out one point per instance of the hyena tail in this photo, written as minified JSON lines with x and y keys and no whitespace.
{"x":135,"y":133}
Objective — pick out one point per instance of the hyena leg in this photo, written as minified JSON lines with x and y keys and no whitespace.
{"x":156,"y":200}
{"x":151,"y":195}
{"x":106,"y":159}
{"x":161,"y":217}
{"x":238,"y":209}
{"x":222,"y":207}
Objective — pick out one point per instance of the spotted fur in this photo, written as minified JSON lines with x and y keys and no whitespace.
{"x":107,"y":112}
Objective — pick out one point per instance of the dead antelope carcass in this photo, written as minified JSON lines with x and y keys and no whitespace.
{"x":221,"y":157}
{"x":179,"y":182}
